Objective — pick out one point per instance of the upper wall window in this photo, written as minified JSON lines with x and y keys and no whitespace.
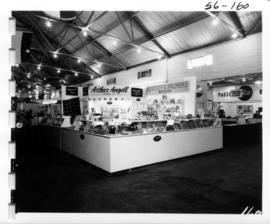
{"x":144,"y":74}
{"x":111,"y":81}
{"x":201,"y":61}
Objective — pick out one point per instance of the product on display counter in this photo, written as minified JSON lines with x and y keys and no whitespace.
{"x":66,"y":121}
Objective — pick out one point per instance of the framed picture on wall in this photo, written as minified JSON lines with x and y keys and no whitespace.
{"x":244,"y":109}
{"x":209,"y":105}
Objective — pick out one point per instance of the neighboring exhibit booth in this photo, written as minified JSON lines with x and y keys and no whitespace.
{"x":238,"y":105}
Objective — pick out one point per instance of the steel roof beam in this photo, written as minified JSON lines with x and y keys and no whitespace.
{"x":47,"y":39}
{"x":175,"y":26}
{"x":106,"y":31}
{"x":89,"y":18}
{"x":123,"y":25}
{"x":44,"y":48}
{"x":257,"y":23}
{"x":50,"y":45}
{"x":237,"y":22}
{"x":106,"y":52}
{"x":149,"y":35}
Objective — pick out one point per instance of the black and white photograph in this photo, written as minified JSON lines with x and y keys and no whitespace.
{"x":137,"y":112}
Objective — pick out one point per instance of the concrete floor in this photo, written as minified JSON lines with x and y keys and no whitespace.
{"x":222,"y":181}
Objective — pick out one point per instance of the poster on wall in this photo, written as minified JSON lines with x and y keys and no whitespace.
{"x":85,"y":91}
{"x":244,"y":109}
{"x":72,"y":107}
{"x":209,"y":105}
{"x":136,"y":92}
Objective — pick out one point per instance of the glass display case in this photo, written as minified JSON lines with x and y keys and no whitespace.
{"x":141,"y":127}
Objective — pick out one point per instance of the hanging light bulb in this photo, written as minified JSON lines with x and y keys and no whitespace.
{"x":79,"y":60}
{"x":85,"y":31}
{"x":258,"y":82}
{"x":27,"y":51}
{"x":48,"y":23}
{"x":159,"y":56}
{"x":76,"y":73}
{"x":215,"y":22}
{"x":28,"y":75}
{"x":234,"y":35}
{"x":58,"y":70}
{"x":114,"y":42}
{"x":55,"y":55}
{"x":39,"y":67}
{"x":99,"y":65}
{"x":243,"y":79}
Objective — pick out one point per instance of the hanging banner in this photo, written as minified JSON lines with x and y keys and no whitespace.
{"x":168,"y":88}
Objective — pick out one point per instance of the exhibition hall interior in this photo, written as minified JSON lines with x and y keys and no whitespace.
{"x":137,"y":111}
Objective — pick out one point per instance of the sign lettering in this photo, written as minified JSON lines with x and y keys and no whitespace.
{"x":100,"y":90}
{"x":71,"y":91}
{"x":168,"y":88}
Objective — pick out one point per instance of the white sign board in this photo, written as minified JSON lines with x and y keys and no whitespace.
{"x":109,"y":91}
{"x":168,"y":88}
{"x":237,"y":94}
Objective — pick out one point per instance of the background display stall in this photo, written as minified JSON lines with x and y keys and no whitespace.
{"x":238,"y":100}
{"x":172,"y":99}
{"x":239,"y":103}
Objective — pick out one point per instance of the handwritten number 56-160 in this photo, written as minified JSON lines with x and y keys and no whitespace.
{"x":235,"y":6}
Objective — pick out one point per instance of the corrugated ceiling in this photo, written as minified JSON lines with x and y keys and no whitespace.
{"x":120,"y":40}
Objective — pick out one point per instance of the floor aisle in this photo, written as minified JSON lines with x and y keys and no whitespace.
{"x":223,"y":181}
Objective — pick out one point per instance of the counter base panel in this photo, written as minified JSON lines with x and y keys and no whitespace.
{"x":126,"y":152}
{"x":131,"y":152}
{"x":92,"y":149}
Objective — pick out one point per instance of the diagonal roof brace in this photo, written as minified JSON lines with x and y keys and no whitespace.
{"x":237,"y":22}
{"x":106,"y":31}
{"x":106,"y":52}
{"x":149,"y":35}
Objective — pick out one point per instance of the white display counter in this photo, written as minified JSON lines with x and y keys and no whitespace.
{"x":121,"y":152}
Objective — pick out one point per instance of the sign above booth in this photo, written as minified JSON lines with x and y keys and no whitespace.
{"x":168,"y":88}
{"x":235,"y":94}
{"x":116,"y":91}
{"x":136,"y":92}
{"x":71,"y":91}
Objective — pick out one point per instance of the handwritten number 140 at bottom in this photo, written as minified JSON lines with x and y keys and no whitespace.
{"x":234,"y":6}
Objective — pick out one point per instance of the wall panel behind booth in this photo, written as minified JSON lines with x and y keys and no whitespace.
{"x":237,"y":57}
